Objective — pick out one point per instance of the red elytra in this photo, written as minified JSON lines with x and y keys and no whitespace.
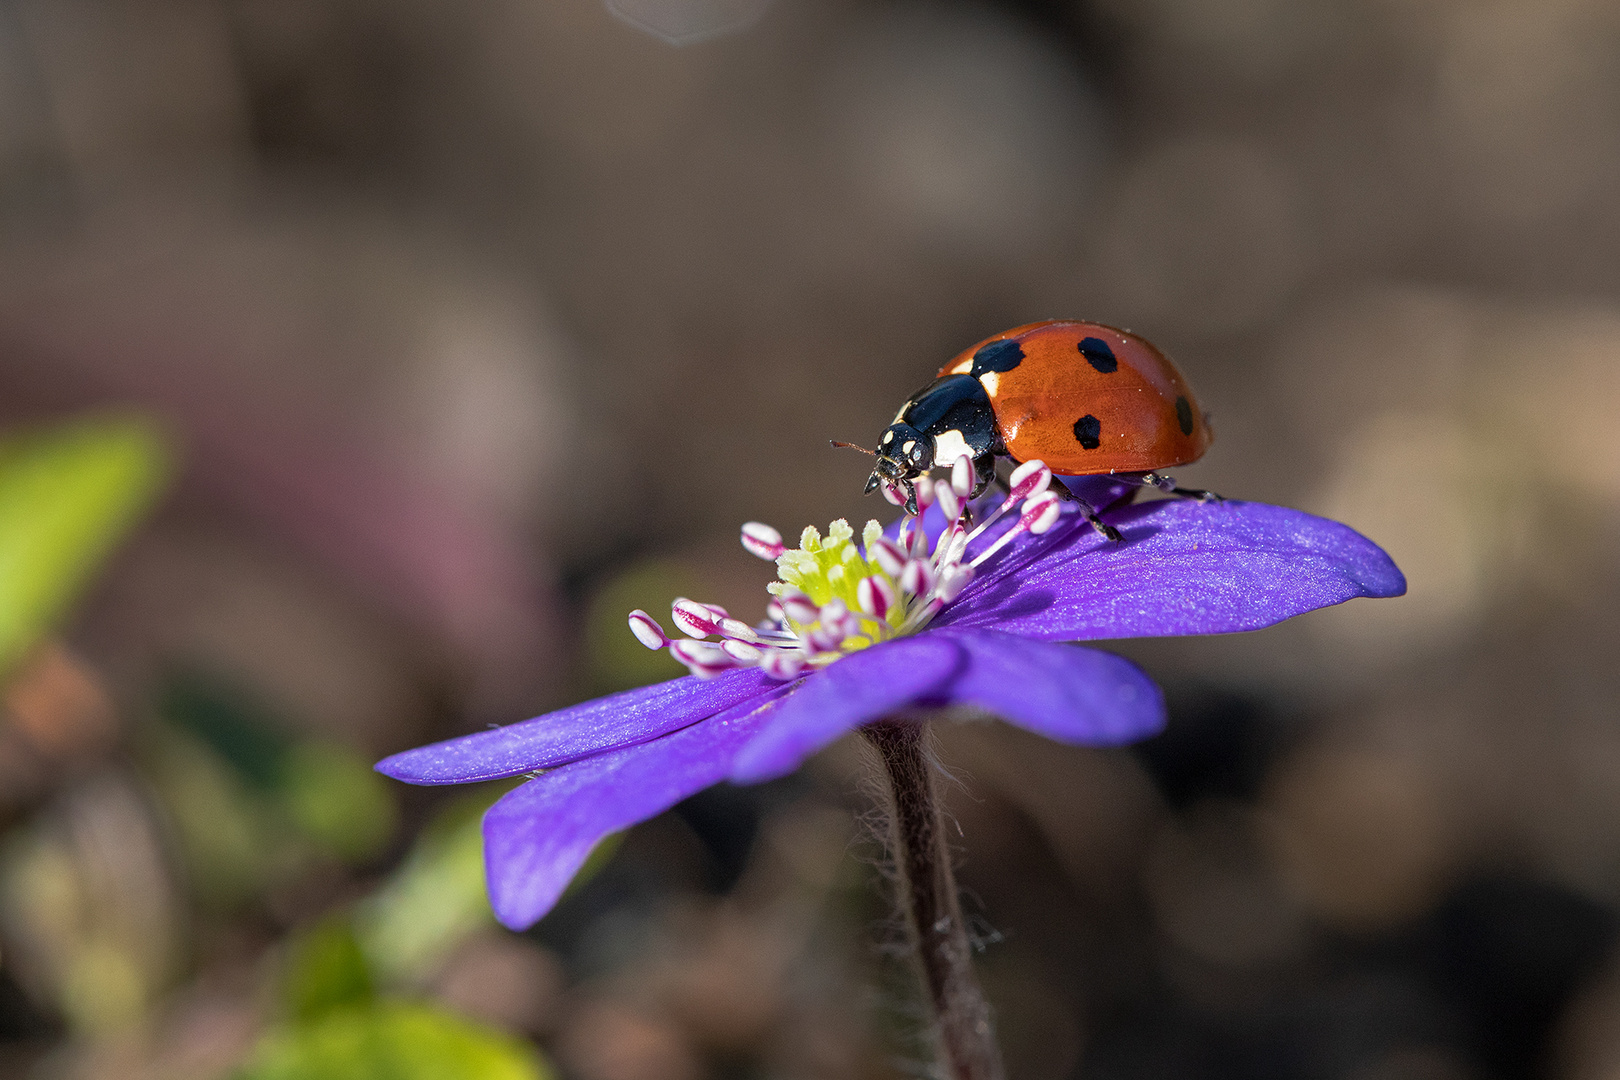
{"x":1086,"y":398}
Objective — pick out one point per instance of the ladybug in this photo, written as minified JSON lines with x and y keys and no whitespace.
{"x":1083,"y":397}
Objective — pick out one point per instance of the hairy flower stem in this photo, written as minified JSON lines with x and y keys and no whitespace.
{"x":927,"y":890}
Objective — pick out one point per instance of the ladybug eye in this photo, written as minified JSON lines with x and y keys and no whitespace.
{"x":917,"y":454}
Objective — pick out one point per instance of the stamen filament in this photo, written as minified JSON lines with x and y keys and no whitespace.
{"x":836,"y":597}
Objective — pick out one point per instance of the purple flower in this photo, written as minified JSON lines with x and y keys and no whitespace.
{"x":928,"y":615}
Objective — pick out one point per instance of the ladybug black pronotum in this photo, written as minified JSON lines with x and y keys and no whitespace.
{"x":1082,"y":397}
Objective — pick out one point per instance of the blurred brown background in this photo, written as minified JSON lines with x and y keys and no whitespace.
{"x":479,"y":324}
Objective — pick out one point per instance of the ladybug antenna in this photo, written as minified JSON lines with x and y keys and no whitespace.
{"x":851,"y":446}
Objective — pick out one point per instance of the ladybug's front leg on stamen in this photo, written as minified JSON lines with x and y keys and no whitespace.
{"x":984,"y":473}
{"x":911,"y":497}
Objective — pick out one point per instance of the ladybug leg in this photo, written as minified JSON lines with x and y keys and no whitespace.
{"x":1090,"y":512}
{"x":1167,"y":484}
{"x":984,"y":471}
{"x":1097,"y":522}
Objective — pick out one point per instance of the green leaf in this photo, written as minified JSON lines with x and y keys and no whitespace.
{"x":334,"y":796}
{"x":232,"y":720}
{"x":393,"y":1041}
{"x":326,"y":970}
{"x":328,"y":791}
{"x":230,"y":844}
{"x":435,"y":899}
{"x":67,"y":495}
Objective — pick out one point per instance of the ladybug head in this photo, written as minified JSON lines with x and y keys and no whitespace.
{"x":902,"y":454}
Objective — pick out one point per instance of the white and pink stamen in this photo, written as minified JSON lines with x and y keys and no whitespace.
{"x":896,"y":586}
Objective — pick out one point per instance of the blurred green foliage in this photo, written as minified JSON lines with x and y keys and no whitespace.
{"x":74,"y":952}
{"x":230,"y":842}
{"x":67,"y":494}
{"x":231,"y":720}
{"x":392,"y":1041}
{"x":86,"y":910}
{"x":325,"y":970}
{"x":436,"y":898}
{"x":251,"y":800}
{"x":335,"y":798}
{"x":337,"y":1026}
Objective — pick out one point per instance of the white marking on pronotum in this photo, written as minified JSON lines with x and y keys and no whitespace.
{"x":990,"y":380}
{"x":948,"y":446}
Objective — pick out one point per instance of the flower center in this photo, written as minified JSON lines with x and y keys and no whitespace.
{"x":836,"y":597}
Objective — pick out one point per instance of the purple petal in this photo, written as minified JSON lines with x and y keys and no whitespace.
{"x":557,"y":738}
{"x":861,"y":687}
{"x":1184,"y":568}
{"x":537,"y":836}
{"x":1064,"y":692}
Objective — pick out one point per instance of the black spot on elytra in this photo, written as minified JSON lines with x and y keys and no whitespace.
{"x":997,"y":356}
{"x":1088,"y":429}
{"x":1099,"y":355}
{"x":1184,"y":415}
